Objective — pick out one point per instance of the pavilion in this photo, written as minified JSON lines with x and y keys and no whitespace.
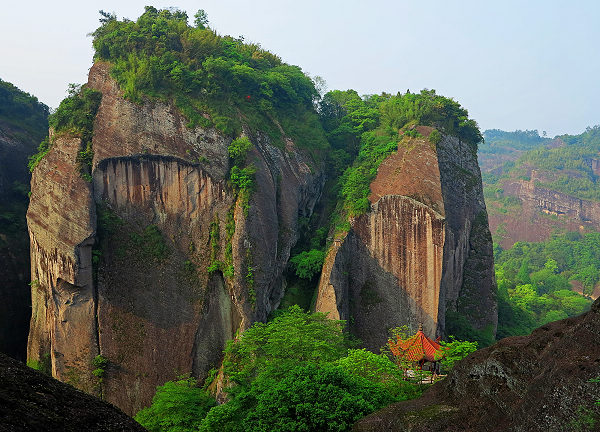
{"x":418,"y":349}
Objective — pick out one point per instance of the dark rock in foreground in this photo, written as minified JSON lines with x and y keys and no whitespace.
{"x":32,"y":401}
{"x":539,"y":382}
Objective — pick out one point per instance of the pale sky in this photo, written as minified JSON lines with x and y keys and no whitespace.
{"x":513,"y":64}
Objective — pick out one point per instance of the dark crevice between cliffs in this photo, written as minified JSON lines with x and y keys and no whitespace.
{"x":94,"y":257}
{"x":217,"y":325}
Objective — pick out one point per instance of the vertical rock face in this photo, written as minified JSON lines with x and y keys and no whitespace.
{"x":542,"y":212}
{"x":424,"y":247}
{"x":61,"y":220}
{"x":154,"y":264}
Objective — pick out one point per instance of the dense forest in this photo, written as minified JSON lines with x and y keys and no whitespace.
{"x":534,"y":281}
{"x":499,"y":142}
{"x":324,"y":383}
{"x":22,"y":112}
{"x":23,"y":124}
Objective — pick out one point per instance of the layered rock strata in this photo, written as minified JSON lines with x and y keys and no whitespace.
{"x":542,"y":212}
{"x":154,"y":264}
{"x":422,"y":249}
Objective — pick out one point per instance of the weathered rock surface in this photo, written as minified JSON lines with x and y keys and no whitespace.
{"x":424,"y":247}
{"x":542,"y":212}
{"x":540,"y":382}
{"x":121,"y":263}
{"x":32,"y":401}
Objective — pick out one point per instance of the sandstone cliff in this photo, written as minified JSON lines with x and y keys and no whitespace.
{"x":546,"y":381}
{"x":542,"y":211}
{"x":423,"y":249}
{"x":120,"y":264}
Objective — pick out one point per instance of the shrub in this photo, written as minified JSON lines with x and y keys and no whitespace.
{"x":455,"y":351}
{"x":308,"y":263}
{"x":75,"y":115}
{"x":435,"y":137}
{"x":159,"y":56}
{"x":177,"y":406}
{"x":238,"y":149}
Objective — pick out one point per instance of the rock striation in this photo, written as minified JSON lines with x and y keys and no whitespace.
{"x":542,"y":211}
{"x":422,"y":250}
{"x":546,"y":381}
{"x":154,"y":263}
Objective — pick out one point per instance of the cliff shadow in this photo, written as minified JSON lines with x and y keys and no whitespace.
{"x":376,"y":300}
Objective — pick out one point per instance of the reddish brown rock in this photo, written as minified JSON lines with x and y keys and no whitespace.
{"x":422,"y":249}
{"x":542,"y":212}
{"x":166,"y":214}
{"x":61,"y":220}
{"x":542,"y":382}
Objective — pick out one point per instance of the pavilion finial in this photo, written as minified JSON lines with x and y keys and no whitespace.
{"x":420,"y":326}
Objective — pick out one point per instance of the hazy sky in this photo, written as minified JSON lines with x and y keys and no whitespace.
{"x":512,"y":64}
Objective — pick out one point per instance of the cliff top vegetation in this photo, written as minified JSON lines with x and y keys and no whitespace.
{"x":499,"y":141}
{"x":368,"y":129}
{"x":362,"y":132}
{"x":160,"y":56}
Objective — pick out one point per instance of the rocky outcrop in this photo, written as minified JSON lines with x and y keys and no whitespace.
{"x":542,"y":212}
{"x":32,"y":401}
{"x":546,"y":381}
{"x":154,"y":264}
{"x":424,"y":247}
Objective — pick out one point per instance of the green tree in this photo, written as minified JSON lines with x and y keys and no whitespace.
{"x":524,"y":296}
{"x":455,"y":350}
{"x":523,"y":275}
{"x":308,"y":263}
{"x":316,"y":398}
{"x":292,"y":337}
{"x":201,"y":19}
{"x":379,"y":369}
{"x":177,"y":406}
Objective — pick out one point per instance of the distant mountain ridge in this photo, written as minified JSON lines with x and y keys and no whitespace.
{"x":535,"y":185}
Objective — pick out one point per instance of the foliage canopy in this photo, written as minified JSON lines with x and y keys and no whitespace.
{"x":293,"y":373}
{"x":22,"y":111}
{"x":160,"y":56}
{"x":534,"y":280}
{"x":177,"y":406}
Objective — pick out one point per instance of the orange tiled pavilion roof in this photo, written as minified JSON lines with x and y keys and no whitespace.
{"x":417,"y":348}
